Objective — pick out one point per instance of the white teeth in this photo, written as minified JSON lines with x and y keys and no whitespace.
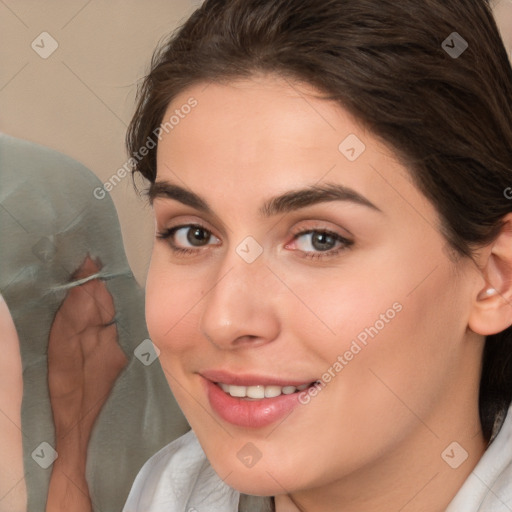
{"x":259,"y":392}
{"x":238,"y":391}
{"x":255,"y":391}
{"x":272,"y":391}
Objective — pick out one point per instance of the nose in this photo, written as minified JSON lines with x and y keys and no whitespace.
{"x":240,"y":309}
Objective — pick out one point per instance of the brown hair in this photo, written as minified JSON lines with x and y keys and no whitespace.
{"x":447,"y":117}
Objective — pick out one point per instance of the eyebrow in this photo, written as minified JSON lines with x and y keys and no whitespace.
{"x":284,"y":203}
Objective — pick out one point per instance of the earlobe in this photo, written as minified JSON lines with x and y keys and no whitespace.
{"x":485,"y":294}
{"x":491,"y":311}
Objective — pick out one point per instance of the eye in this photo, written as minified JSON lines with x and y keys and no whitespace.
{"x":319,"y":243}
{"x":316,"y":241}
{"x":189,"y":238}
{"x":193,"y":235}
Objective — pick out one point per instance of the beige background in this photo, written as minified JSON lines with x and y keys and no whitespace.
{"x":80,"y":99}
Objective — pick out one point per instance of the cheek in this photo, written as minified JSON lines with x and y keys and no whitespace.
{"x":172,"y":323}
{"x":340,"y":306}
{"x":383,"y":330}
{"x":410,"y":358}
{"x":170,"y":306}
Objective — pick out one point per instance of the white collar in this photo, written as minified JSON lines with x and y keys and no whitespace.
{"x":489,"y":486}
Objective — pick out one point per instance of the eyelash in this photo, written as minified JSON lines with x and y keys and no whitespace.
{"x":320,"y":255}
{"x":180,"y":251}
{"x":169,"y":233}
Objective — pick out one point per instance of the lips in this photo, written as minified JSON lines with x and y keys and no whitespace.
{"x":251,"y":401}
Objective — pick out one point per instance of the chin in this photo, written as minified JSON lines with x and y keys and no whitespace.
{"x":259,"y":480}
{"x":255,"y":484}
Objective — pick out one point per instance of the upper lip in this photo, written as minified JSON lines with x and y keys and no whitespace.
{"x":247,"y":379}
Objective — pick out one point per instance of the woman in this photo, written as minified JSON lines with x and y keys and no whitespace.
{"x":330,"y":282}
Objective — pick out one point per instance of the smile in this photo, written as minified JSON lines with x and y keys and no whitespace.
{"x":252,"y":402}
{"x":259,"y":392}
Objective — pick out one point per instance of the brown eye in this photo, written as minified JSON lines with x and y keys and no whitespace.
{"x":197,"y":236}
{"x":189,"y":237}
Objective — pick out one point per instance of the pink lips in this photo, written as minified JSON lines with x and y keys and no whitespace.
{"x":249,"y":413}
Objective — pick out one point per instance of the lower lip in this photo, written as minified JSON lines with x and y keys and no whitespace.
{"x":250,"y":413}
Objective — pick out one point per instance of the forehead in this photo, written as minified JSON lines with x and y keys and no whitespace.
{"x":259,"y":119}
{"x":265,"y":135}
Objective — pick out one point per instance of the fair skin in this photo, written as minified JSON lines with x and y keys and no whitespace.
{"x":13,"y":492}
{"x":372,"y":439}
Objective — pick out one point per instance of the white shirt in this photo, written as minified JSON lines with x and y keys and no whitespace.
{"x":179,"y":478}
{"x":489,"y":486}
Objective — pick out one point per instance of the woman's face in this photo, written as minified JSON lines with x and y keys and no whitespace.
{"x":293,"y":248}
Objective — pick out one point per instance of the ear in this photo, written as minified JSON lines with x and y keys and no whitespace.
{"x":491,"y":310}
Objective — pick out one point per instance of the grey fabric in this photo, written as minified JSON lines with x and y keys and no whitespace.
{"x":255,"y":504}
{"x":49,"y":222}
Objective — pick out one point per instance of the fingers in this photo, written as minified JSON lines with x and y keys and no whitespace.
{"x":89,"y":304}
{"x":87,"y":268}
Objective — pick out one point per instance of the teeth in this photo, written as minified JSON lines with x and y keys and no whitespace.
{"x":272,"y":391}
{"x":255,"y":391}
{"x":238,"y":391}
{"x":259,"y":392}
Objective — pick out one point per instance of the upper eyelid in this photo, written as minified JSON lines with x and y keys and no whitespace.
{"x":313,"y":229}
{"x":295,"y":231}
{"x":163,"y":202}
{"x":169,"y":224}
{"x":176,"y":228}
{"x":167,"y":205}
{"x":189,"y":219}
{"x":339,"y":231}
{"x":299,"y":231}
